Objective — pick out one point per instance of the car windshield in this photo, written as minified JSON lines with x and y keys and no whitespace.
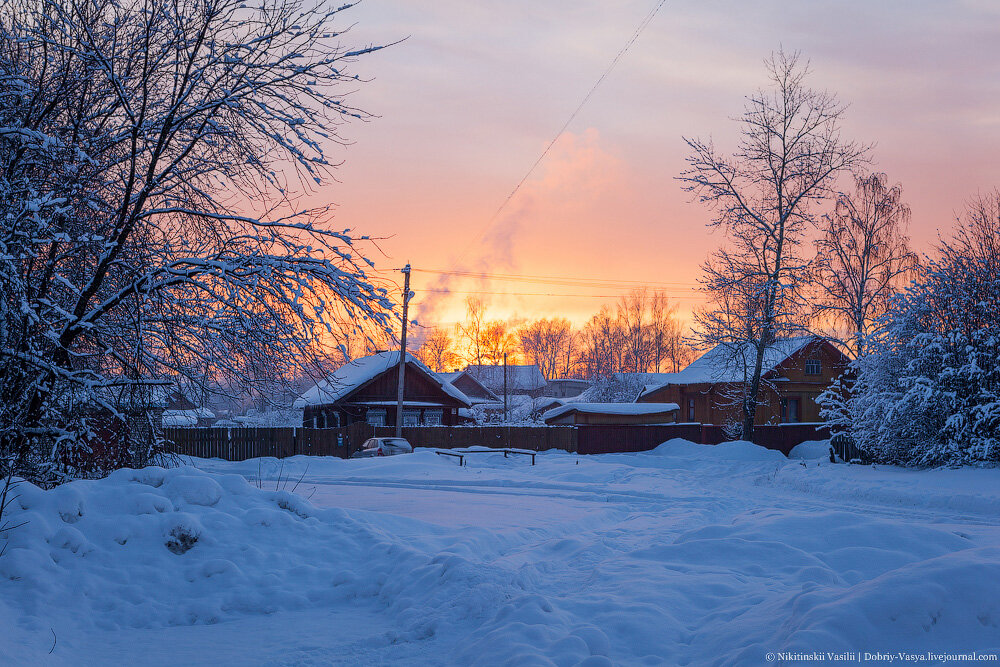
{"x":396,"y":441}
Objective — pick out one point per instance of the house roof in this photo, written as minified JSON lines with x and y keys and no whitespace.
{"x":451,"y":378}
{"x":642,"y":378}
{"x":723,"y":363}
{"x":524,"y":377}
{"x":352,"y":375}
{"x":611,"y":409}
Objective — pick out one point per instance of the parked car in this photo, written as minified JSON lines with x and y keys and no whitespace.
{"x":383,"y":447}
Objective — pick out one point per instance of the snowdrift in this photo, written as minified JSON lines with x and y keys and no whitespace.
{"x":689,"y":554}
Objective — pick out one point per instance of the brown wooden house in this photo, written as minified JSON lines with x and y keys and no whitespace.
{"x":365,"y":390}
{"x":795,"y":372}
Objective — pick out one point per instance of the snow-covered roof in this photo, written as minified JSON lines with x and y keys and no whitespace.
{"x":642,"y":378}
{"x":524,"y":377}
{"x":354,"y":374}
{"x":186,"y":417}
{"x":727,"y":362}
{"x":611,"y":409}
{"x":175,"y":418}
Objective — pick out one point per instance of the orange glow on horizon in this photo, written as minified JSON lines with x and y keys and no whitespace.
{"x":461,"y":118}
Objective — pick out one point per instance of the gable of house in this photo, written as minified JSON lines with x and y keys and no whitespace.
{"x":521,"y":378}
{"x":365,"y":389}
{"x":470,"y":386}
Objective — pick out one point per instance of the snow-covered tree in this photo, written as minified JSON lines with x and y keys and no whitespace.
{"x":765,"y":197}
{"x":154,"y":158}
{"x":927,"y":390}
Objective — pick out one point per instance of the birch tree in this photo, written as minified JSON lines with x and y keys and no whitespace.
{"x":862,"y":256}
{"x":154,"y":156}
{"x":765,"y":196}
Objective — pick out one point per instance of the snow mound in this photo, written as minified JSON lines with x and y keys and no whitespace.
{"x":736,"y":450}
{"x":160,"y":548}
{"x":811,"y":450}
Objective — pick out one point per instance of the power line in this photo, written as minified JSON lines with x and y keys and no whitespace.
{"x":586,"y":98}
{"x":545,"y":294}
{"x":559,"y":280}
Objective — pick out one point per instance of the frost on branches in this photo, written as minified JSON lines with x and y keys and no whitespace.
{"x":928,"y":390}
{"x":152,"y":159}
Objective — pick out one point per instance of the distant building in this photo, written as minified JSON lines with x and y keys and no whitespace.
{"x":612,"y":413}
{"x":566,"y":387}
{"x":476,"y":391}
{"x":795,"y":372}
{"x":523,"y":379}
{"x":365,"y":390}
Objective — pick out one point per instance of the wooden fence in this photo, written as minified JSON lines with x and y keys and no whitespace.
{"x":238,"y":444}
{"x":535,"y":438}
{"x":615,"y":438}
{"x":848,"y":450}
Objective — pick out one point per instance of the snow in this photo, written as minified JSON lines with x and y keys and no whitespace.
{"x":687,"y":554}
{"x":811,"y":449}
{"x":187,"y":417}
{"x":612,"y":409}
{"x":352,"y":375}
{"x":717,"y":364}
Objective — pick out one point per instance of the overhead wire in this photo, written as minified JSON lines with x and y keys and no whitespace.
{"x":586,"y":98}
{"x":557,"y":280}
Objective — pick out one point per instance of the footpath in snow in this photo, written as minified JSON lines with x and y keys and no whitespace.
{"x":686,"y":555}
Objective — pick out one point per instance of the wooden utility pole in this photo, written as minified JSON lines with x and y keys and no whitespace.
{"x":402,"y":352}
{"x":506,"y":414}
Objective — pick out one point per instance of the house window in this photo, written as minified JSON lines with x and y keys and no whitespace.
{"x":813,"y":367}
{"x":411,"y":417}
{"x":375,"y":417}
{"x":690,"y":409}
{"x":432,"y":417}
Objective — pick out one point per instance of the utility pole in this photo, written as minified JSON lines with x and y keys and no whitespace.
{"x":506,"y":414}
{"x":402,"y":352}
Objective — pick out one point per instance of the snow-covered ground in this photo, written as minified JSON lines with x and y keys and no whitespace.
{"x":687,"y":555}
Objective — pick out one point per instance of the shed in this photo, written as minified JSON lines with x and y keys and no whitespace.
{"x":612,"y":413}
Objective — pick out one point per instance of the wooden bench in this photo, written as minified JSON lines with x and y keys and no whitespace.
{"x":460,"y":457}
{"x":461,"y":454}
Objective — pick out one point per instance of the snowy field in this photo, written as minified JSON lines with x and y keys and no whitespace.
{"x":687,"y":555}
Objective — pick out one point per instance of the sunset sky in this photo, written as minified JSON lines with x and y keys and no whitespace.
{"x":468,"y":102}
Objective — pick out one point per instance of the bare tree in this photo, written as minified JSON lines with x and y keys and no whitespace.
{"x":863,"y":255}
{"x":545,"y":342}
{"x":498,"y":343}
{"x":471,"y":330}
{"x":636,"y":334}
{"x":789,"y":155}
{"x":602,"y":343}
{"x":438,"y":351}
{"x":152,"y":154}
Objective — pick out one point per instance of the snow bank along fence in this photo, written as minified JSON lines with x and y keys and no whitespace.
{"x":237,"y":444}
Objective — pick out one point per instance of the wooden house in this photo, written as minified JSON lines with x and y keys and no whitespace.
{"x":521,"y":379}
{"x":365,"y":390}
{"x":795,"y":372}
{"x":474,"y":390}
{"x":566,"y":387}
